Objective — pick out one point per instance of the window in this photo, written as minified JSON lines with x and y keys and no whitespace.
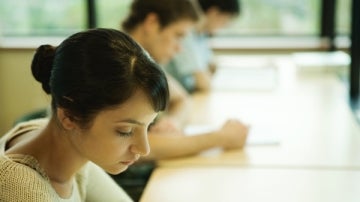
{"x":41,"y":17}
{"x":110,"y":13}
{"x":258,"y":17}
{"x":343,"y":15}
{"x":277,"y":17}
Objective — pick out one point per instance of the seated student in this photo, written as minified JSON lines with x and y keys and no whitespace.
{"x":193,"y":66}
{"x":105,"y":91}
{"x":159,"y":26}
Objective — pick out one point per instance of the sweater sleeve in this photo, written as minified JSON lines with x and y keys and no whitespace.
{"x":19,"y":183}
{"x":101,"y":187}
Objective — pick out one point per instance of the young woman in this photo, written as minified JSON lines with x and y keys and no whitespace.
{"x":160,"y":26}
{"x":105,"y":91}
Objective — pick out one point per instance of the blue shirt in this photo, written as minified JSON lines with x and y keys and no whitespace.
{"x":194,"y":56}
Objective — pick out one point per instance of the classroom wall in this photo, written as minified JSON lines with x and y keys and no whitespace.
{"x":20,"y":93}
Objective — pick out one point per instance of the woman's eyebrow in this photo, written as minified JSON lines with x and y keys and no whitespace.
{"x":133,"y":121}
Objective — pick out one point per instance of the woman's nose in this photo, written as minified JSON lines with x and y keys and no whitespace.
{"x":141,"y":144}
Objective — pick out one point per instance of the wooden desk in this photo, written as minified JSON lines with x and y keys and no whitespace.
{"x":309,"y":113}
{"x":317,"y":159}
{"x":232,"y":184}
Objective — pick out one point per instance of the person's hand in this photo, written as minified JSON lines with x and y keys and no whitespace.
{"x":212,"y":68}
{"x":233,"y":134}
{"x":165,"y":125}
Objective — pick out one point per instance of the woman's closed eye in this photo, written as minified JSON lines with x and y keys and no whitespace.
{"x":125,"y":132}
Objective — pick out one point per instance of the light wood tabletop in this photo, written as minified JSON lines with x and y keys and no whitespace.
{"x":232,"y":184}
{"x":311,"y":147}
{"x":306,"y":120}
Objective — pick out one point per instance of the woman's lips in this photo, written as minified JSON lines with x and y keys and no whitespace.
{"x":127,"y":163}
{"x":130,"y":162}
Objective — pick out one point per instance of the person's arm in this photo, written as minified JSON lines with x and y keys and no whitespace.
{"x":101,"y":187}
{"x":212,"y":68}
{"x":232,"y":135}
{"x":202,"y":80}
{"x":22,"y":183}
{"x":179,"y":102}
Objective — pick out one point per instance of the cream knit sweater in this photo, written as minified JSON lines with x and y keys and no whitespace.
{"x":23,"y":180}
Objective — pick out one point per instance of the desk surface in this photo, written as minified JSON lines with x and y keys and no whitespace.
{"x":229,"y":184}
{"x":317,"y":158}
{"x":308,"y":113}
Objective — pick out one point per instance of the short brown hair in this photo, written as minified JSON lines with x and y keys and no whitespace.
{"x":168,"y":11}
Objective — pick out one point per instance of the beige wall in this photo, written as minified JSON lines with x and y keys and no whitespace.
{"x":20,"y":93}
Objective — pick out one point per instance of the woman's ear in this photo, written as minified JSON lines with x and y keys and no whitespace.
{"x":66,"y":122}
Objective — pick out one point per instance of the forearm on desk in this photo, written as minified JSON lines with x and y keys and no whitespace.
{"x":171,"y":146}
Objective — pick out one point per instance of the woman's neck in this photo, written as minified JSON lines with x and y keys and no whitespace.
{"x":52,"y":149}
{"x":57,"y":155}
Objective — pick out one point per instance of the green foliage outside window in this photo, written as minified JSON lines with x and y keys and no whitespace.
{"x":258,"y":17}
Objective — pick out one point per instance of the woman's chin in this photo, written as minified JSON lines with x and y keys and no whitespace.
{"x":116,"y":171}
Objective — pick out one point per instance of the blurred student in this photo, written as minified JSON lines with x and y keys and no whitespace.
{"x":194,"y":65}
{"x":105,"y":91}
{"x":159,"y":26}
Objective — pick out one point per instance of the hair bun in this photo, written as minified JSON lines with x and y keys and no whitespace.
{"x":42,"y":64}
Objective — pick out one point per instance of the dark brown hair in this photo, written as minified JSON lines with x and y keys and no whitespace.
{"x":168,"y":12}
{"x":98,"y":69}
{"x":231,"y":7}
